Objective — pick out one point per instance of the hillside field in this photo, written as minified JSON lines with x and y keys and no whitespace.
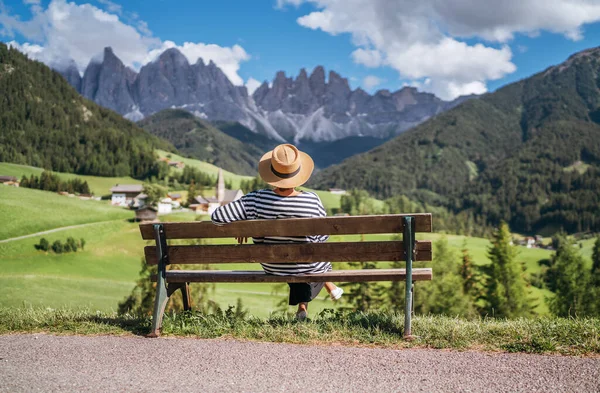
{"x":98,"y":185}
{"x":105,"y":272}
{"x":25,"y":211}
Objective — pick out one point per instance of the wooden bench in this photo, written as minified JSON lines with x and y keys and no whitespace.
{"x":169,"y":281}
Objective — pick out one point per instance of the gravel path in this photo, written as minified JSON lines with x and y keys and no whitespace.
{"x":44,"y":363}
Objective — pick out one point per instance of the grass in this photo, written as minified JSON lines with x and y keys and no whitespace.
{"x":25,"y":211}
{"x":98,"y":185}
{"x":205,"y":167}
{"x":385,"y":330}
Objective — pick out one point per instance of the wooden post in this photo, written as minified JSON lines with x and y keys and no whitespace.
{"x":160,"y":301}
{"x":409,"y":244}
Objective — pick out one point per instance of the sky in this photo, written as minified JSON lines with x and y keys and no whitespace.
{"x":447,"y":47}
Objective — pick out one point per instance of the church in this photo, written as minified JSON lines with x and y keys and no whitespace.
{"x":223,"y":196}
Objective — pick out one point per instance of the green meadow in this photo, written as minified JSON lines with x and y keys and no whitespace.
{"x":25,"y":211}
{"x":204,"y":167}
{"x":102,"y":274}
{"x":98,"y":185}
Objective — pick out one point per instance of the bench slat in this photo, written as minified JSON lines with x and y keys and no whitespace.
{"x":389,"y":223}
{"x":290,"y":253}
{"x":177,"y":276}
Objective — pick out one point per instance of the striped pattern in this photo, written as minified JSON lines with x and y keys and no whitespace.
{"x":266,"y":204}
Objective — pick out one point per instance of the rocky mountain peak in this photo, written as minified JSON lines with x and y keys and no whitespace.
{"x":317,"y":81}
{"x":175,"y":56}
{"x":307,"y":107}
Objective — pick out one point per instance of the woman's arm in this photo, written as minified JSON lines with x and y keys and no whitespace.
{"x":234,"y":211}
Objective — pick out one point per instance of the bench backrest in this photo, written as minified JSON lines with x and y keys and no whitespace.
{"x":301,"y":253}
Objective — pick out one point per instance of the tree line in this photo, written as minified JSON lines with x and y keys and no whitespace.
{"x":49,"y":181}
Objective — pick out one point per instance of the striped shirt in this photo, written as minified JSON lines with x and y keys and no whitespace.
{"x":266,"y":204}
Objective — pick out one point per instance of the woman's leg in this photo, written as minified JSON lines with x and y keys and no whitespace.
{"x":334,"y":291}
{"x":329,"y":286}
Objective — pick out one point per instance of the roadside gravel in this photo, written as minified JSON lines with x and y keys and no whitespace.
{"x":46,"y":363}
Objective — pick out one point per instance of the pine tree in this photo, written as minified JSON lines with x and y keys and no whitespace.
{"x":363,"y":296}
{"x":570,"y":297}
{"x":595,"y":279}
{"x":444,"y":295}
{"x":505,"y":293}
{"x":191,"y":198}
{"x":394,"y":296}
{"x":467,"y":272}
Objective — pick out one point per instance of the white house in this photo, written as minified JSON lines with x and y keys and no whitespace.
{"x":165,"y":206}
{"x":123,"y":194}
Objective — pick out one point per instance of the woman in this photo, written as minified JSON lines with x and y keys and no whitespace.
{"x":284,"y":168}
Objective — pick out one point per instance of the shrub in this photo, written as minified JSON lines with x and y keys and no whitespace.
{"x":57,"y":247}
{"x":43,"y":245}
{"x":71,"y":244}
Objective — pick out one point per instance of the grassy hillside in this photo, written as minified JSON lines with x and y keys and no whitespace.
{"x":26,"y":211}
{"x":105,"y":272}
{"x":506,"y":156}
{"x":199,"y":139}
{"x":99,"y":185}
{"x":46,"y":123}
{"x":205,"y":167}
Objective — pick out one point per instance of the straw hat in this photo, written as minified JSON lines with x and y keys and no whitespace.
{"x":285,"y":167}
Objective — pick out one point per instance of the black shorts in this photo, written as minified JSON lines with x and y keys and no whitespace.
{"x":301,"y":292}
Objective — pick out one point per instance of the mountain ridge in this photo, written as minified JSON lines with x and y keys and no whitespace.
{"x":308,"y":107}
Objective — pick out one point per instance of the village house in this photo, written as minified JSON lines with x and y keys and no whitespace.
{"x":176,"y":164}
{"x":165,"y":206}
{"x":207,"y":205}
{"x":124,"y":194}
{"x":147,"y":213}
{"x":9,"y":181}
{"x":337,"y":191}
{"x":176,"y":199}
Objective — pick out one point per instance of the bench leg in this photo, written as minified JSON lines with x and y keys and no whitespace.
{"x":409,"y":241}
{"x":160,"y":301}
{"x":185,"y":294}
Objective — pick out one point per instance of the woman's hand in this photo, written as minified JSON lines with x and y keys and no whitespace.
{"x":241,"y":240}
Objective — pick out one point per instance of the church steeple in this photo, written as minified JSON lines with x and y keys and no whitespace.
{"x":220,"y":186}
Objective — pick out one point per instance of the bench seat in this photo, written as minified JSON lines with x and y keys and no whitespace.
{"x":182,"y":276}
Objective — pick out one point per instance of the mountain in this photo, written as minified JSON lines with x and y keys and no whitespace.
{"x":310,"y":109}
{"x":307,"y":108}
{"x":324,"y":154}
{"x":44,"y":122}
{"x":199,"y":139}
{"x":528,"y":154}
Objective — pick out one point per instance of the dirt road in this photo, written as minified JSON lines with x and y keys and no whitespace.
{"x":44,"y":363}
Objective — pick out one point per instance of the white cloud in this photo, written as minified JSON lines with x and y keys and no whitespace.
{"x":111,"y":7}
{"x":369,"y":58}
{"x":370,"y":81}
{"x":65,"y":31}
{"x":252,"y":84}
{"x":423,"y":39}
